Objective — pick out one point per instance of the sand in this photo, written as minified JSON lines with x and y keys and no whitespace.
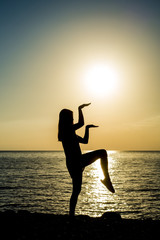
{"x":26,"y":225}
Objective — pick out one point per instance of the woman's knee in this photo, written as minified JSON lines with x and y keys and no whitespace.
{"x":103,"y":153}
{"x":76,"y":190}
{"x":77,"y":183}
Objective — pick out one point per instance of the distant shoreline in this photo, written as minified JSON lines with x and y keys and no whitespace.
{"x":26,"y":225}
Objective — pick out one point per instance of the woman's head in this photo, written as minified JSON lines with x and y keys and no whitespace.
{"x":65,"y":121}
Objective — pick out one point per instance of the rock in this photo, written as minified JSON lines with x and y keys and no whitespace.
{"x":8,"y":214}
{"x":23,"y":213}
{"x":111,"y":216}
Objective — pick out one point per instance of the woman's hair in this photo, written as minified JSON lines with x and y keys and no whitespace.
{"x":65,"y":122}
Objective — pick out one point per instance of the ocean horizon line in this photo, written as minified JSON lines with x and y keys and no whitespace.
{"x":57,"y":150}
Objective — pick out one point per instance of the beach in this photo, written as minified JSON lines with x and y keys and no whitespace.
{"x":25,"y":225}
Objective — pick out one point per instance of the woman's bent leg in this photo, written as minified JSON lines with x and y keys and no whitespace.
{"x":77,"y":182}
{"x":91,"y":157}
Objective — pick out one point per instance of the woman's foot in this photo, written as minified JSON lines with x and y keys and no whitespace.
{"x":107,"y":183}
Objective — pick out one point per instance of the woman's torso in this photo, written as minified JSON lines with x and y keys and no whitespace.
{"x":72,"y":149}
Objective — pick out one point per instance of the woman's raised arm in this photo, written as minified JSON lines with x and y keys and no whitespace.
{"x":81,"y":118}
{"x":86,"y":135}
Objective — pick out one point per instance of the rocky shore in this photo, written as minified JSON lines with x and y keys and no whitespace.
{"x":25,"y":225}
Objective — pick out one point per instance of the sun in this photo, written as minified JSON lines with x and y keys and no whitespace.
{"x":101,"y":79}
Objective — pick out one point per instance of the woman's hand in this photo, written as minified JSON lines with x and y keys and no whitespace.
{"x":84,"y":105}
{"x":91,"y":126}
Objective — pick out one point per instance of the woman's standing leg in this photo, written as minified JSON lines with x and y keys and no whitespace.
{"x":77,"y":182}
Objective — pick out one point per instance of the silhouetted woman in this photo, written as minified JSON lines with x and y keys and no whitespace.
{"x":75,"y":160}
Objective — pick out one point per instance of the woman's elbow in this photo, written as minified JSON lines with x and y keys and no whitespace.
{"x":81,"y":124}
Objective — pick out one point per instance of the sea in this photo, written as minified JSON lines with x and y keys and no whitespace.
{"x":38,"y":181}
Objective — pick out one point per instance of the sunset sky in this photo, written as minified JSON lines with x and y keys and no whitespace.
{"x":60,"y":54}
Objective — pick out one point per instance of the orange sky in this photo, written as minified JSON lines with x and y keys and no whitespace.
{"x":46,"y":71}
